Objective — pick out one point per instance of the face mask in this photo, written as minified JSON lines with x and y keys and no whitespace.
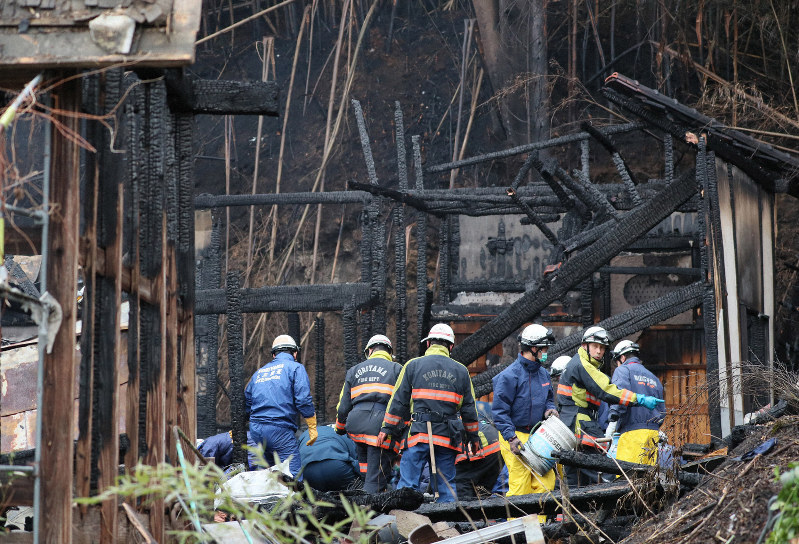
{"x":543,"y":357}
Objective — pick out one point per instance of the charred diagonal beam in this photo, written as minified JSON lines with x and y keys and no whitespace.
{"x":527,"y":148}
{"x":563,"y":196}
{"x":220,"y":97}
{"x":288,"y":298}
{"x":269,"y":199}
{"x":625,"y":173}
{"x":604,"y":464}
{"x":641,"y":220}
{"x":399,"y":196}
{"x":583,"y":186}
{"x":535,"y":503}
{"x":534,"y":219}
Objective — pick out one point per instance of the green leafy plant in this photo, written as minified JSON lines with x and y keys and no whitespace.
{"x":786,"y":526}
{"x":197,"y":493}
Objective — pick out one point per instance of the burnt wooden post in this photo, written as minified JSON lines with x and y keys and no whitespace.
{"x":207,"y":329}
{"x":56,"y":446}
{"x":320,"y":396}
{"x":422,"y":305}
{"x":235,"y":354}
{"x":400,"y":282}
{"x":350,"y":326}
{"x":98,"y":444}
{"x":184,"y":254}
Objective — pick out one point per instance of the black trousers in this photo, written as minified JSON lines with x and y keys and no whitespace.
{"x":379,"y":464}
{"x":477,"y":473}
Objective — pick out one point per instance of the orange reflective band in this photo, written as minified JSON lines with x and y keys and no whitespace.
{"x":340,"y":426}
{"x":544,"y":384}
{"x":362,"y":467}
{"x":472,"y":427}
{"x":421,"y":438}
{"x":491,"y":448}
{"x":435,"y":394}
{"x":391,"y":419}
{"x":564,"y":390}
{"x":626,"y":397}
{"x":592,"y":399}
{"x":383,"y":388}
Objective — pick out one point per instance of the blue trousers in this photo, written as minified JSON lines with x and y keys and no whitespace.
{"x":280,"y":440}
{"x":329,"y":475}
{"x":413,"y":462}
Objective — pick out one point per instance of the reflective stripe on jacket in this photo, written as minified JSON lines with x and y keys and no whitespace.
{"x":522,"y":394}
{"x":278,"y":392}
{"x":489,"y":444}
{"x":362,"y":403}
{"x":583,"y":387}
{"x":433,"y":388}
{"x":634,"y":376}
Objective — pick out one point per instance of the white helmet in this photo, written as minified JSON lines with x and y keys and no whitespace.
{"x":536,"y":336}
{"x":441,"y":332}
{"x":377,"y":340}
{"x":596,"y":335}
{"x":624,"y":347}
{"x":559,"y":365}
{"x":284,"y":342}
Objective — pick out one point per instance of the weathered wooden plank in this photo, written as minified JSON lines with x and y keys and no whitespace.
{"x":57,"y":409}
{"x":285,"y":298}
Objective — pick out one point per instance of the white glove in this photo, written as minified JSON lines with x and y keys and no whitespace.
{"x":611,"y":428}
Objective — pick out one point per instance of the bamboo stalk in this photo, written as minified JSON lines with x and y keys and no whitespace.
{"x":785,"y":55}
{"x":468,"y":27}
{"x":273,"y":238}
{"x":268,"y":44}
{"x":336,"y":127}
{"x":337,"y":59}
{"x":243,"y":21}
{"x":314,"y":7}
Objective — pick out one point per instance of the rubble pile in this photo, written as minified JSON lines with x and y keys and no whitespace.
{"x":731,"y":504}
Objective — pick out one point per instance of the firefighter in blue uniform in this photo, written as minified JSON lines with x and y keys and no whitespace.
{"x":330,"y":463}
{"x":430,"y":393}
{"x":220,"y":447}
{"x":276,"y":394}
{"x":639,"y":426}
{"x":582,"y":387}
{"x":522,"y":398}
{"x":361,"y":407}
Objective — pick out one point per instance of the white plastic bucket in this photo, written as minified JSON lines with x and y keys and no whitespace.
{"x":548,"y":436}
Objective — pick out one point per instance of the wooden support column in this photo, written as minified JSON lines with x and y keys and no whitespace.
{"x":57,"y":408}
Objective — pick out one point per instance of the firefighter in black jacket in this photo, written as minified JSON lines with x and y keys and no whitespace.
{"x":361,"y":406}
{"x":430,"y":393}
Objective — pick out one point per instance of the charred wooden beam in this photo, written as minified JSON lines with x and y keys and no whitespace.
{"x":220,"y":97}
{"x":531,"y":215}
{"x":235,"y":351}
{"x":527,"y":148}
{"x":269,"y":199}
{"x":601,"y":463}
{"x":594,"y":496}
{"x":422,"y":305}
{"x":649,"y":270}
{"x":400,"y":280}
{"x":625,"y":173}
{"x":639,"y":222}
{"x":288,"y":298}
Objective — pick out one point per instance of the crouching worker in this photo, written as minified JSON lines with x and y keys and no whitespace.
{"x":476,"y":472}
{"x":361,"y":407}
{"x":638,"y":425}
{"x":276,"y":394}
{"x":523,"y":397}
{"x":220,"y":448}
{"x":434,"y":393}
{"x":330,"y":463}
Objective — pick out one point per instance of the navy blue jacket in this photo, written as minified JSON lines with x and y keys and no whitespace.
{"x":220,"y":447}
{"x":328,"y":446}
{"x":278,"y":391}
{"x":522,"y":394}
{"x":634,"y":376}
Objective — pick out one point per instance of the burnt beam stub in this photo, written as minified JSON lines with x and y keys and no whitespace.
{"x":191,"y":95}
{"x":289,"y":298}
{"x":641,"y":220}
{"x":350,"y":326}
{"x":293,"y":326}
{"x":320,"y":396}
{"x":235,"y":354}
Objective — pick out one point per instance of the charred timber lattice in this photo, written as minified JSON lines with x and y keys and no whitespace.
{"x":638,"y":222}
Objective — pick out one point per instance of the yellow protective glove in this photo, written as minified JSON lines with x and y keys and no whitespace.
{"x":313,"y":434}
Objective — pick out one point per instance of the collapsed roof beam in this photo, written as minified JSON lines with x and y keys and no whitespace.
{"x":640,"y":221}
